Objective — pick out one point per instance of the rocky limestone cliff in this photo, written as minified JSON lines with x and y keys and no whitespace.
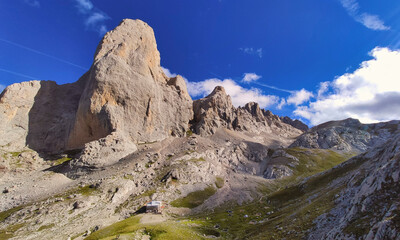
{"x":128,"y":92}
{"x":124,"y":97}
{"x":216,"y":111}
{"x":38,"y":114}
{"x":348,"y":135}
{"x":368,"y":207}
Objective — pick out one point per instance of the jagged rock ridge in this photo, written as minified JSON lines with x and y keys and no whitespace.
{"x":348,"y":135}
{"x":217,"y":111}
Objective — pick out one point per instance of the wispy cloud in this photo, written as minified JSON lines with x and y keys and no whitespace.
{"x":368,"y":20}
{"x":84,"y":5}
{"x":252,"y":51}
{"x":33,"y":3}
{"x":250,"y":77}
{"x":94,"y":18}
{"x":42,"y":53}
{"x":18,"y":74}
{"x":2,"y":87}
{"x":273,"y":87}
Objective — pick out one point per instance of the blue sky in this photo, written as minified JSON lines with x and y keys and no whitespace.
{"x":312,"y":60}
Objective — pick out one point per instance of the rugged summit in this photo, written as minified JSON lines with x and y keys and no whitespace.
{"x":216,"y":111}
{"x":124,"y":98}
{"x":127,"y":92}
{"x":348,"y":135}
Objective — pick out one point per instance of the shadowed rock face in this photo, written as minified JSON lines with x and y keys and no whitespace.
{"x":38,"y":114}
{"x":295,"y":123}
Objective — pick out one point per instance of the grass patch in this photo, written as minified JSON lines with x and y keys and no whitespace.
{"x":189,"y":133}
{"x":87,"y":190}
{"x":15,"y":154}
{"x":148,"y":193}
{"x":61,"y":161}
{"x":10,"y":231}
{"x":219,"y":182}
{"x":194,"y":199}
{"x":4,"y":215}
{"x":44,"y":227}
{"x":130,"y":227}
{"x":313,"y":161}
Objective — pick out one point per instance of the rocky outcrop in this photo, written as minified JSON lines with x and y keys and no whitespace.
{"x":216,"y":111}
{"x":368,"y":207}
{"x":125,"y":96}
{"x":348,"y":135}
{"x":295,"y":123}
{"x":128,"y":92}
{"x":38,"y":114}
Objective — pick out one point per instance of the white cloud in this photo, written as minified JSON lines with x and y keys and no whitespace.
{"x":368,"y":20}
{"x":252,"y":51}
{"x":250,"y":77}
{"x":372,"y":22}
{"x":84,"y":5}
{"x":94,"y":18}
{"x":323,"y":88}
{"x":240,"y":96}
{"x":33,"y":3}
{"x":371,"y":93}
{"x":168,"y":72}
{"x":2,"y":87}
{"x":299,"y":97}
{"x":281,"y":104}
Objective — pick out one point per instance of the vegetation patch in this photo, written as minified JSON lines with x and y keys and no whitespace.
{"x":87,"y":190}
{"x":189,"y":133}
{"x":219,"y":182}
{"x":194,"y":199}
{"x":61,"y":161}
{"x":4,"y":215}
{"x":131,"y":227}
{"x":44,"y":227}
{"x":10,"y":231}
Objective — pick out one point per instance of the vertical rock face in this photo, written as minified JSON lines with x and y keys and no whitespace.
{"x":214,"y":111}
{"x":124,"y":98}
{"x":127,"y":91}
{"x":38,"y":114}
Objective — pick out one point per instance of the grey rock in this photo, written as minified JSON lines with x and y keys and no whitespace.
{"x":348,"y":135}
{"x":295,"y":123}
{"x":127,"y":91}
{"x":216,"y":111}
